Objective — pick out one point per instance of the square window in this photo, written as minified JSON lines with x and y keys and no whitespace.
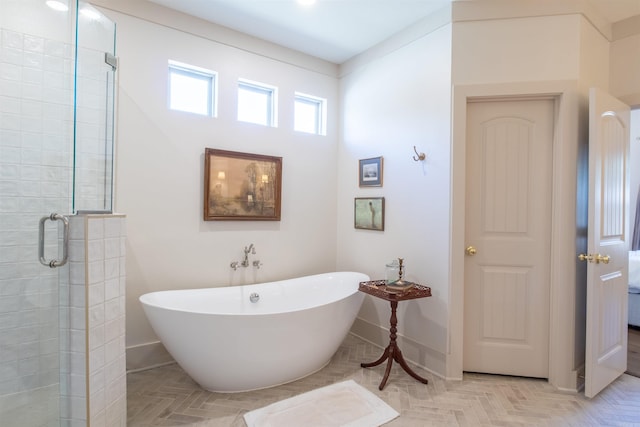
{"x":256,"y":103}
{"x":310,"y":113}
{"x":191,"y":89}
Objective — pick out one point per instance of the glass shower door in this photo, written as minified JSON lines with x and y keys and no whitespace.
{"x":41,"y":130}
{"x":36,"y":123}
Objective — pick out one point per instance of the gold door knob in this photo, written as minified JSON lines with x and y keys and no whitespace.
{"x":603,"y":259}
{"x":585,"y":257}
{"x":471,"y":251}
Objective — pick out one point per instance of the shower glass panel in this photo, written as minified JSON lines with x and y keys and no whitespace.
{"x":38,"y":136}
{"x":94,"y":122}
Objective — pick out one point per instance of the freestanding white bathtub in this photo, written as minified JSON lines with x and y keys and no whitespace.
{"x":227,"y":343}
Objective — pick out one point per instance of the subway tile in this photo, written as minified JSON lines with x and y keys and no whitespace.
{"x":77,"y":318}
{"x":10,"y":88}
{"x":10,"y":138}
{"x":8,"y":370}
{"x":96,"y":228}
{"x":96,"y":294}
{"x":77,"y":385}
{"x":112,"y":227}
{"x":112,"y":268}
{"x":11,"y":122}
{"x":8,"y":171}
{"x":77,"y":340}
{"x":112,"y":248}
{"x":30,"y":124}
{"x":77,"y":273}
{"x":28,"y":366}
{"x":76,"y":223}
{"x":32,"y":75}
{"x":10,"y":155}
{"x":97,"y":314}
{"x":96,"y":359}
{"x":8,"y":105}
{"x":12,"y":39}
{"x":11,"y":72}
{"x":10,"y":55}
{"x":112,"y":350}
{"x":33,"y":60}
{"x":31,"y":139}
{"x":76,"y":251}
{"x":9,"y":188}
{"x":96,"y":337}
{"x":112,"y":289}
{"x":31,"y":91}
{"x":33,"y":43}
{"x":96,"y":251}
{"x":77,"y":296}
{"x":95,"y":272}
{"x":78,"y":408}
{"x":111,"y":330}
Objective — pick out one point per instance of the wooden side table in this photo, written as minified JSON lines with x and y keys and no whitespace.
{"x":378,"y":288}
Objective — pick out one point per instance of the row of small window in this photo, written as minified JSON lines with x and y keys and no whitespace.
{"x":193,"y":90}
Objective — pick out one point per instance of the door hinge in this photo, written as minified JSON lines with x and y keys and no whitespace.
{"x":112,"y":60}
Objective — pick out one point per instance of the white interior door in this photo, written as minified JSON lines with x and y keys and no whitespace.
{"x":608,"y":241}
{"x":508,"y":232}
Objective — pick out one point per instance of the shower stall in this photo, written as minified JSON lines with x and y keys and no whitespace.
{"x":57,"y":110}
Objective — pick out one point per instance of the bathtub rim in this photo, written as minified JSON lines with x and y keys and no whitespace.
{"x":248,"y":286}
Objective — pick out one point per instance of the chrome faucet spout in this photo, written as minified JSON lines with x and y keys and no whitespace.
{"x":247,"y":250}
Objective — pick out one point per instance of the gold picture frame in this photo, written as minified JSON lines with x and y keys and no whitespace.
{"x":241,"y":186}
{"x":368,"y":213}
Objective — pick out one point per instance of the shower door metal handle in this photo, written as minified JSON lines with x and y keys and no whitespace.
{"x":65,"y":243}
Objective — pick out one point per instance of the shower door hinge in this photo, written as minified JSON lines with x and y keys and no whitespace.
{"x":112,"y":60}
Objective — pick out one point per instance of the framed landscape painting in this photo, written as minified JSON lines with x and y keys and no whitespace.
{"x":241,"y":186}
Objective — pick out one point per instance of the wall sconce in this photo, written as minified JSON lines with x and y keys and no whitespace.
{"x":221,"y":175}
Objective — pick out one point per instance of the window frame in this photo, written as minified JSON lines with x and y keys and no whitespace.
{"x":320,"y":116}
{"x":197,"y":73}
{"x":272,"y":102}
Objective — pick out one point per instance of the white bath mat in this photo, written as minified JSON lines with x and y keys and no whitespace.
{"x":338,"y":405}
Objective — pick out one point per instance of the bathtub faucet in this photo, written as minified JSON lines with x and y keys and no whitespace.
{"x":247,"y":250}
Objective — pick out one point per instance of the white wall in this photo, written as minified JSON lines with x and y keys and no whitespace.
{"x":160,"y":170}
{"x":625,"y":61}
{"x":389,"y":105}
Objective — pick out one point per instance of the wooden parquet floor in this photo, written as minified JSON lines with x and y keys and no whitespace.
{"x":166,"y":396}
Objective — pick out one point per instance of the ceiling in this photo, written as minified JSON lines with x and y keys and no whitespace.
{"x":336,"y":30}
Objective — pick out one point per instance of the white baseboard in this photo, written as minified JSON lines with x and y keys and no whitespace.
{"x":147,"y":356}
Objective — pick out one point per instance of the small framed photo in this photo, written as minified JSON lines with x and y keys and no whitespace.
{"x":370,"y":172}
{"x":369,"y":213}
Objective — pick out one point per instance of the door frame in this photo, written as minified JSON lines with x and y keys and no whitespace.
{"x":568,"y":234}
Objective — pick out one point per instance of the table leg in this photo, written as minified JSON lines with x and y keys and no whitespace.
{"x":400,"y":359}
{"x":382,"y":358}
{"x":392,"y":352}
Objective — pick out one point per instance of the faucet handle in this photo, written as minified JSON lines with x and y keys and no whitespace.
{"x":257,"y":263}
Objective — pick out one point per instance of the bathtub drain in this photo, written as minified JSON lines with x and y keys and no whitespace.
{"x":254,"y":297}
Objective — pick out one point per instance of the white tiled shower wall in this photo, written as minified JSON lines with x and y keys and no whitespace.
{"x":95,"y":361}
